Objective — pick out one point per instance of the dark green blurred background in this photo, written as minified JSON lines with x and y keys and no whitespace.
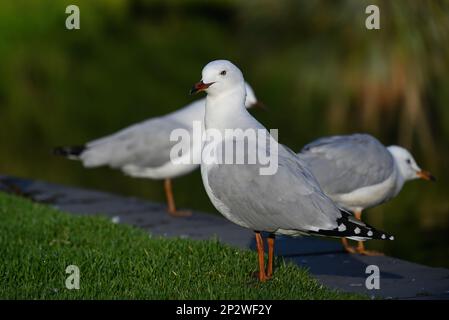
{"x":312,"y":62}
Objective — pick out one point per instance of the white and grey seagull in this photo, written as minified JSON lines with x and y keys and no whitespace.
{"x":142,"y":150}
{"x":358,"y":172}
{"x":289,"y":201}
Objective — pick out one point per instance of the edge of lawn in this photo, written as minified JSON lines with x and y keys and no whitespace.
{"x":116,"y":261}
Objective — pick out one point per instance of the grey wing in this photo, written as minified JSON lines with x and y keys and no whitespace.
{"x":343,"y":164}
{"x":145,"y":144}
{"x":291,"y":199}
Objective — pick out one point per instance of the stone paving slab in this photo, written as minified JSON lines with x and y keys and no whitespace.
{"x":398,"y":278}
{"x":325,"y":259}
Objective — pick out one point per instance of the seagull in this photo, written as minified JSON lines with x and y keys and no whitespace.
{"x":142,"y":150}
{"x":289,"y":201}
{"x":358,"y":172}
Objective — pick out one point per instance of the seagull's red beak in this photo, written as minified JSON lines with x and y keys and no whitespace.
{"x":426,"y":175}
{"x":200,"y":86}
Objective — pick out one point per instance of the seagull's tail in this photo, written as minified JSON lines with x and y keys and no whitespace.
{"x":72,"y":152}
{"x":351,"y":228}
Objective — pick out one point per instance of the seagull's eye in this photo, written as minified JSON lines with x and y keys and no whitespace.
{"x":408,"y":161}
{"x":223,"y":73}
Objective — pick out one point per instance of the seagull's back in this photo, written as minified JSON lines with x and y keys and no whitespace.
{"x":143,"y":146}
{"x":343,"y":164}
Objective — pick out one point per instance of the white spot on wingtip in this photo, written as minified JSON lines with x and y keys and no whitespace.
{"x":370,"y":233}
{"x":357,"y":230}
{"x":342,"y":228}
{"x":391,"y":238}
{"x":383,"y":236}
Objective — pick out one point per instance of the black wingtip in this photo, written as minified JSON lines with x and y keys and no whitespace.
{"x":73,"y":151}
{"x":349,"y":227}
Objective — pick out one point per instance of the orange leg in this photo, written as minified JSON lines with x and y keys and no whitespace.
{"x":361,"y":245}
{"x":270,"y":255}
{"x":361,"y":249}
{"x":260,"y":251}
{"x":346,"y":245}
{"x":171,"y":201}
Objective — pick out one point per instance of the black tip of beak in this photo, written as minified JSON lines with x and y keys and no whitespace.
{"x":426,"y":175}
{"x":193,"y":90}
{"x":200,"y":86}
{"x":259,"y":105}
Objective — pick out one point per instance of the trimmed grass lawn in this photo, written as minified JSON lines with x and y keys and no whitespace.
{"x":38,"y":242}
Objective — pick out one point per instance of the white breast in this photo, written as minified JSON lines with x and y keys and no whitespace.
{"x":168,"y":170}
{"x":369,"y":196}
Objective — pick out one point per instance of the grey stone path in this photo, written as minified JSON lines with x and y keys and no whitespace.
{"x":325,"y":259}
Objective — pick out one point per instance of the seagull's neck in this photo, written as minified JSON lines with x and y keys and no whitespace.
{"x":399,"y":183}
{"x":227,"y":110}
{"x":400,"y":179}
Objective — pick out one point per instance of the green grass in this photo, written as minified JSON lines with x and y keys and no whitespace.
{"x":38,"y":242}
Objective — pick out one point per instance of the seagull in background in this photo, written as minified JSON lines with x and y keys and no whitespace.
{"x":358,"y":172}
{"x":289,"y":201}
{"x":143,"y":150}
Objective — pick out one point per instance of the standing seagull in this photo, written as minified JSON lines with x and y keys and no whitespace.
{"x":289,"y":201}
{"x":358,"y":172}
{"x":143,"y":150}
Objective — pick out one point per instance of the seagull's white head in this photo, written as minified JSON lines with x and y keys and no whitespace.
{"x":407,"y":165}
{"x":220,"y":77}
